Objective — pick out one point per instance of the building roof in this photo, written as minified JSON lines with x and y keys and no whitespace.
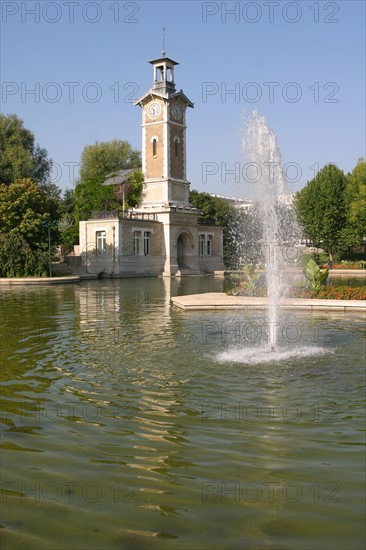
{"x":116,"y":178}
{"x":152,"y":94}
{"x":164,"y":58}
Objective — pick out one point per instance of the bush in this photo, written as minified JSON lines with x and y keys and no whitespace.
{"x":317,"y":279}
{"x":17,"y":259}
{"x":70,"y":236}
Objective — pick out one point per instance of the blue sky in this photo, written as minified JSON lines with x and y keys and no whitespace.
{"x":87,"y":62}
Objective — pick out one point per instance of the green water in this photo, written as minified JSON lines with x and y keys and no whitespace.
{"x":127,"y":424}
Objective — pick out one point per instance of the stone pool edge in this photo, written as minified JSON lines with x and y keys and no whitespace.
{"x":38,"y":280}
{"x":218,"y":300}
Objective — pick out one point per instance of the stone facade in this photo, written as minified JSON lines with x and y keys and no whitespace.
{"x":122,"y":247}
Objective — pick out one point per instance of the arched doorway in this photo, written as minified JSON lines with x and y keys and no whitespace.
{"x":183,"y":251}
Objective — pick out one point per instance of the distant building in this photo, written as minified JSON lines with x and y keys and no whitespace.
{"x":235,"y":202}
{"x":162,"y":235}
{"x":286,"y":200}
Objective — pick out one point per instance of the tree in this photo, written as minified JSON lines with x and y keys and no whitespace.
{"x":321,"y":209}
{"x":241,"y":229}
{"x":20,"y":156}
{"x":355,"y":196}
{"x":244,"y":238}
{"x":93,"y":195}
{"x":17,"y":259}
{"x":134,"y":189}
{"x":103,"y":158}
{"x":23,"y":208}
{"x":67,"y":202}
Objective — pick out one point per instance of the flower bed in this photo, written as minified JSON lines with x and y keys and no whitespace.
{"x":331,"y":293}
{"x":347,"y":265}
{"x":327,"y":293}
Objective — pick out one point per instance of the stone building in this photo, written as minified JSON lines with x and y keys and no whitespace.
{"x":162,"y":236}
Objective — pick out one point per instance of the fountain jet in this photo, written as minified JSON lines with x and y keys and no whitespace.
{"x":263,"y":154}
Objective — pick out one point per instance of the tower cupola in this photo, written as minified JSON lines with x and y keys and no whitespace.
{"x":163,"y":82}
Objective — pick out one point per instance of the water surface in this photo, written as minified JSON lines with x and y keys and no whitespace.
{"x":124,"y":425}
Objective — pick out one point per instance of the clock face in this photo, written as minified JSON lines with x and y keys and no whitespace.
{"x":176,"y":111}
{"x":154,"y":110}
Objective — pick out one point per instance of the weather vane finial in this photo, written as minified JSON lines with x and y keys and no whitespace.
{"x":164,"y":52}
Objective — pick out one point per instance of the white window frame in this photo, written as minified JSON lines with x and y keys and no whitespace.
{"x":101,"y":237}
{"x":142,"y":240}
{"x":137,"y":242}
{"x":205,"y":244}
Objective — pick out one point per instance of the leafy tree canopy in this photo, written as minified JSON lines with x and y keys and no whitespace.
{"x":241,"y":229}
{"x":103,"y":158}
{"x":321,"y":208}
{"x":214,"y":210}
{"x":92,"y":195}
{"x":17,"y":259}
{"x":355,"y":194}
{"x":23,"y":208}
{"x":20,"y":156}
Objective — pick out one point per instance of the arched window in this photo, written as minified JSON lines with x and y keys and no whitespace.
{"x":154,"y":141}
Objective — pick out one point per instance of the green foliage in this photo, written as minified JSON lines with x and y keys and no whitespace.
{"x":244,"y":234}
{"x":135,"y":188}
{"x":355,"y":196}
{"x":67,"y":226}
{"x":241,"y":229}
{"x":231,"y":282}
{"x":92,"y":195}
{"x":17,"y":259}
{"x":67,"y":202}
{"x":69,"y":232}
{"x":321,"y":208}
{"x":248,"y":283}
{"x":215,"y":211}
{"x":251,"y":277}
{"x":23,"y":208}
{"x":131,"y":190}
{"x":20,"y":157}
{"x":103,"y":158}
{"x":317,"y":279}
{"x":97,"y":162}
{"x":319,"y":258}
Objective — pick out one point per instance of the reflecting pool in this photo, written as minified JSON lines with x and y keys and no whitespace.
{"x":129,"y":424}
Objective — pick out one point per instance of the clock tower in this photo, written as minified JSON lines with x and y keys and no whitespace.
{"x":164,"y":139}
{"x":163,"y":234}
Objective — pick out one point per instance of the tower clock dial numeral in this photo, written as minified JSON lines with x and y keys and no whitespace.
{"x":176,"y":111}
{"x":154,"y":110}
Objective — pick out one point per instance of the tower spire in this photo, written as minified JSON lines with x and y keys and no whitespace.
{"x":163,"y":33}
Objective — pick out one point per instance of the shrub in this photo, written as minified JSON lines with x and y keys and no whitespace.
{"x":17,"y":258}
{"x":316,"y":278}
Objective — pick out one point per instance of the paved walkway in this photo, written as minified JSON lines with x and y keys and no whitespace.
{"x":219,"y":300}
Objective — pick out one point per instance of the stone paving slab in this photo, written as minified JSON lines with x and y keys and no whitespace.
{"x":219,"y":300}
